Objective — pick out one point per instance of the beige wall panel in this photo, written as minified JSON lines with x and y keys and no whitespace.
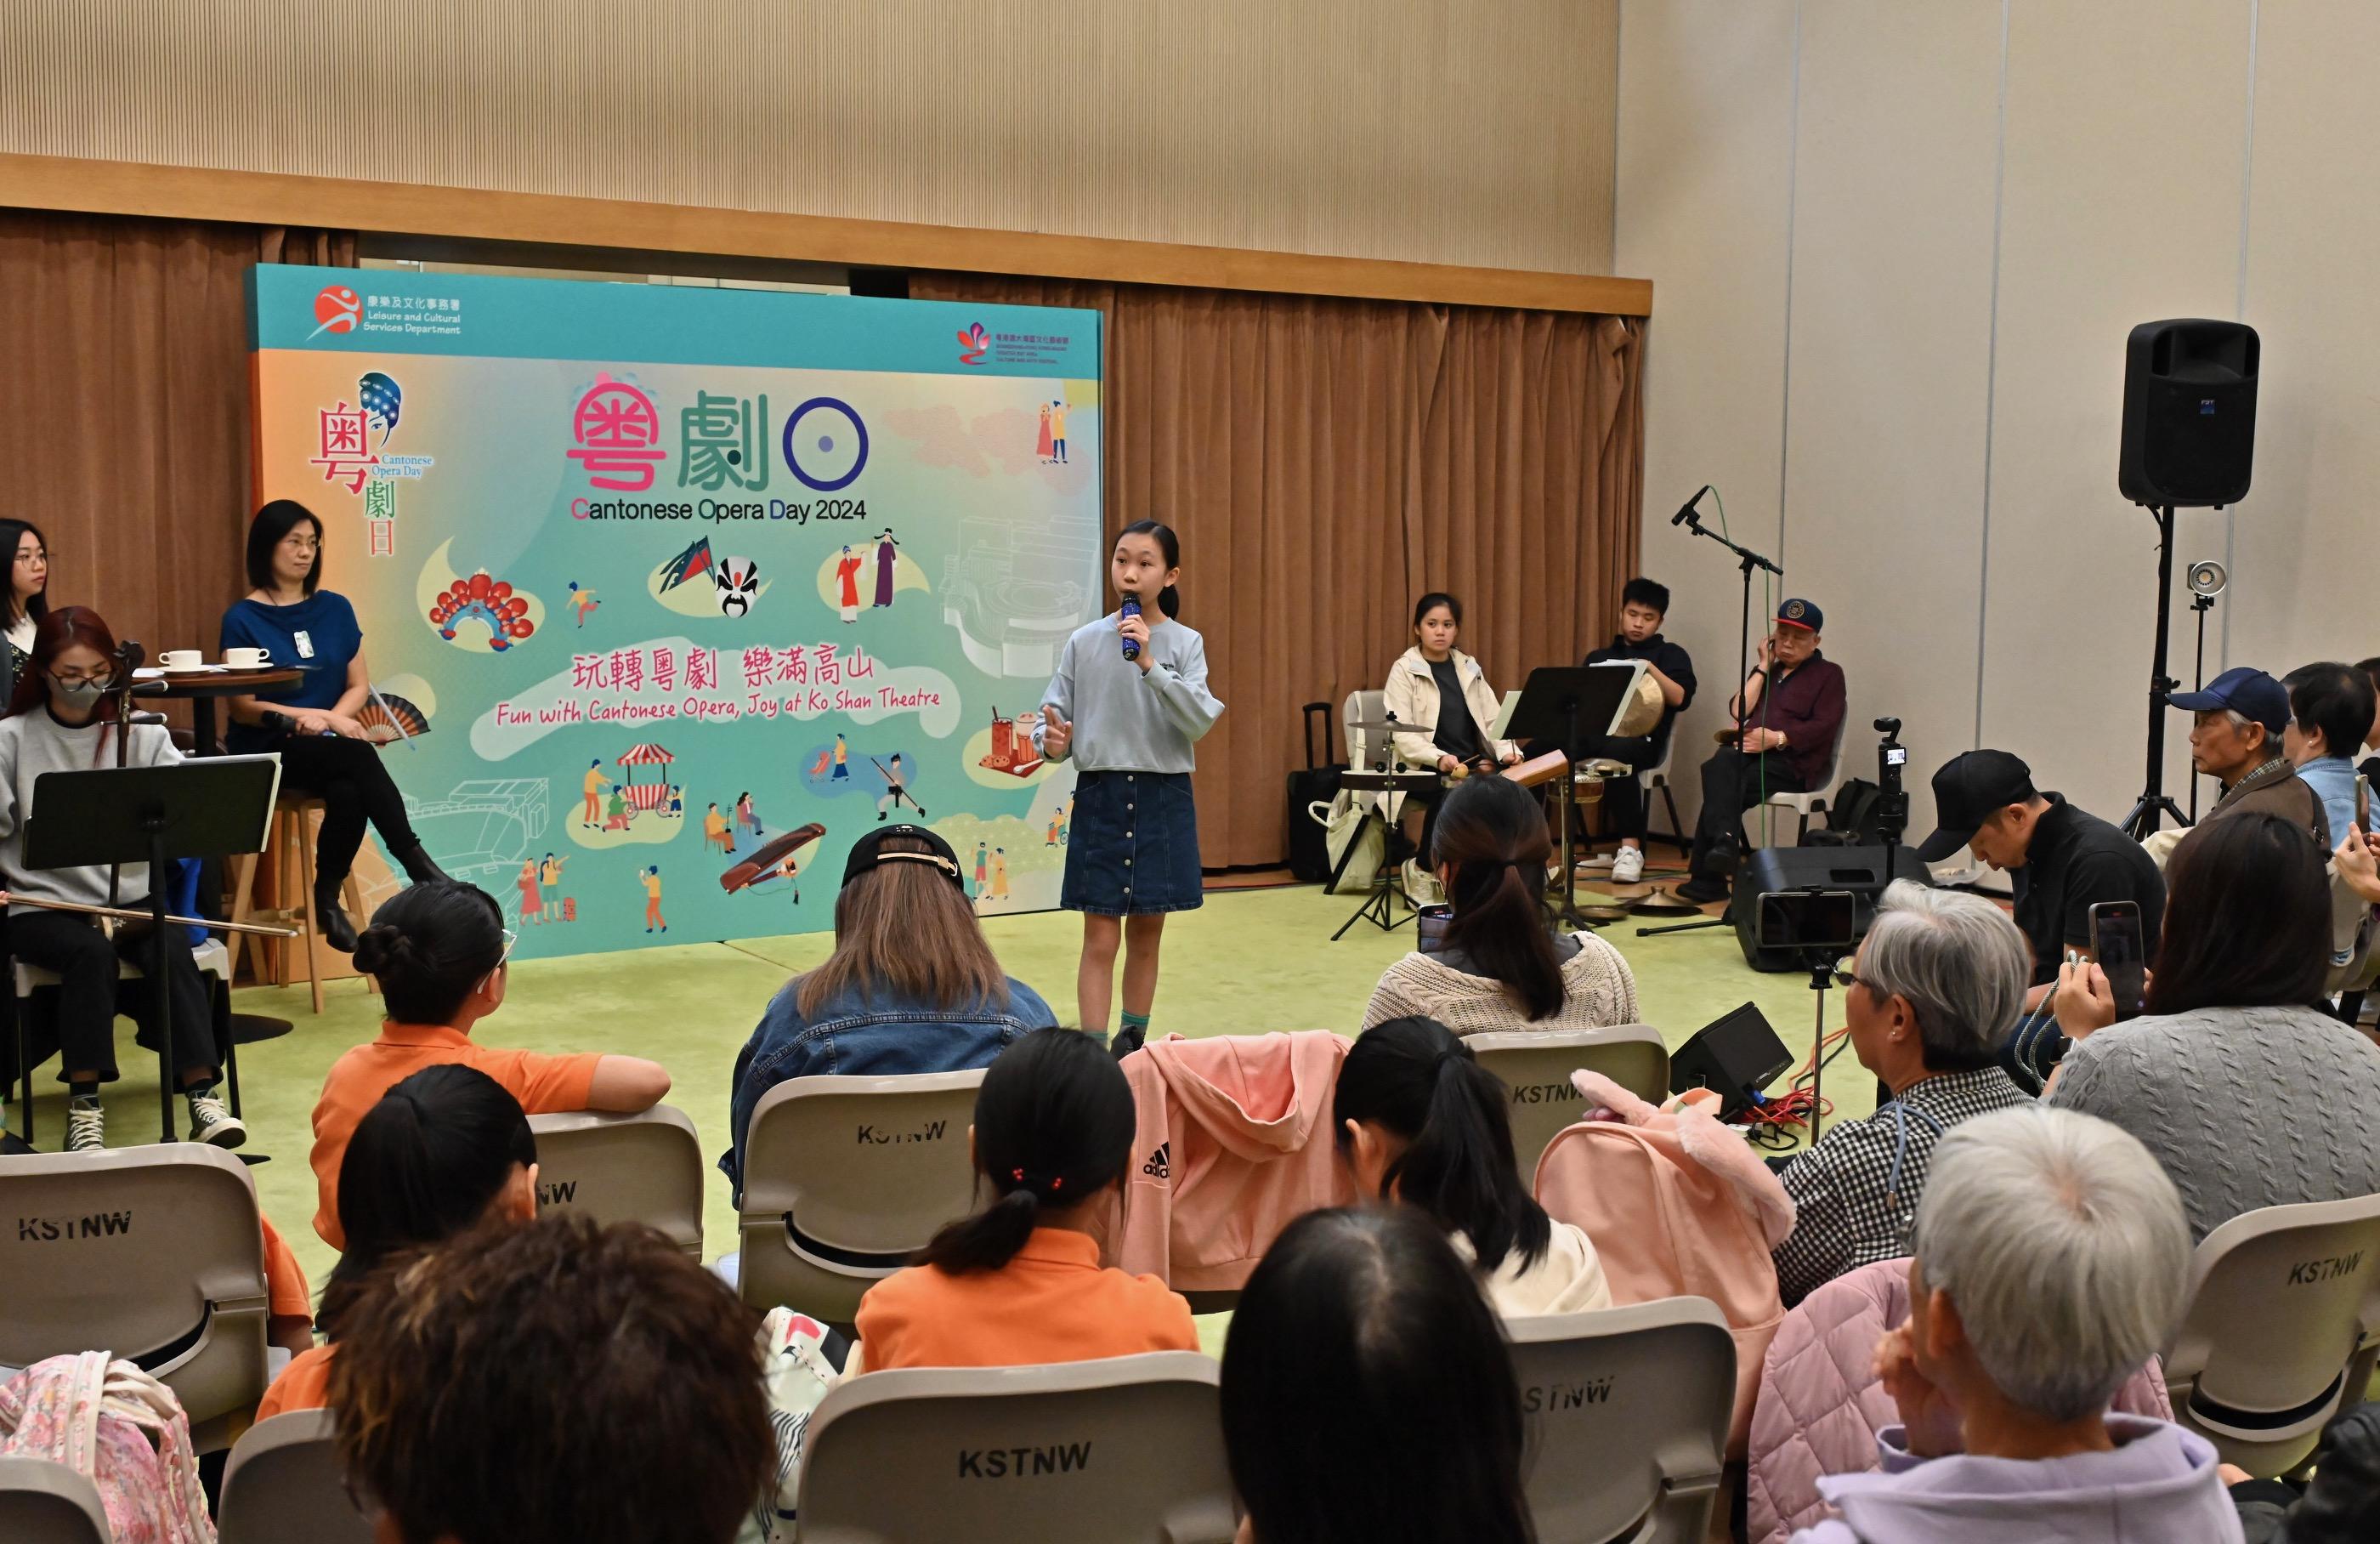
{"x":2303,"y":577}
{"x":1892,"y":296}
{"x":1704,"y":184}
{"x":2125,"y":148}
{"x":1430,"y":130}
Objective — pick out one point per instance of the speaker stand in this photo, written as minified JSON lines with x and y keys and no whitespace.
{"x":2154,"y":803}
{"x":2201,"y":604}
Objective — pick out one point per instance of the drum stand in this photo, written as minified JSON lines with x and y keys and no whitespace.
{"x":1380,"y":906}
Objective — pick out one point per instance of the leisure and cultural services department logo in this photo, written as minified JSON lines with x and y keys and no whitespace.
{"x":973,"y":343}
{"x":336,"y":310}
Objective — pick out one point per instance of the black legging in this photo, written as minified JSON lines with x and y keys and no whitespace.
{"x":354,"y":786}
{"x":85,"y":960}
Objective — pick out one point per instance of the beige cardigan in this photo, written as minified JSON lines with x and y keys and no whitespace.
{"x":1412,"y":694}
{"x":1598,"y":990}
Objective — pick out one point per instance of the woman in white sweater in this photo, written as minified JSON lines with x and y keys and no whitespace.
{"x":1502,"y":966}
{"x":1422,"y":1123}
{"x":58,"y":721}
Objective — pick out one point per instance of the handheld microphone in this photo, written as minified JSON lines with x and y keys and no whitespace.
{"x":1130,"y":609}
{"x":1686,"y":511}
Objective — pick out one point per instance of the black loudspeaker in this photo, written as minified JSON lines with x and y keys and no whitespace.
{"x":2190,"y":413}
{"x":1857,"y":869}
{"x":1735,"y":1057}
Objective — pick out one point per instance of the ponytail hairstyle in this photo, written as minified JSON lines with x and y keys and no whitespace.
{"x":1414,"y":1079}
{"x":424,"y":1164}
{"x":1053,"y":1127}
{"x":428,"y":946}
{"x":1494,"y":835}
{"x":1169,"y":600}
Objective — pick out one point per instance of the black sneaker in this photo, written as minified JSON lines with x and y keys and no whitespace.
{"x":1702,"y":889}
{"x":1123,"y":1042}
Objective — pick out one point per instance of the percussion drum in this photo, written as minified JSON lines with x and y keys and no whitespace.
{"x":1642,"y":713}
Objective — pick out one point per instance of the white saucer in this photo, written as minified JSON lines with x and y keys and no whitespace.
{"x":189,"y":669}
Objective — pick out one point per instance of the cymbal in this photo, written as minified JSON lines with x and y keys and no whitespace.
{"x":1384,"y":723}
{"x":1661,"y":903}
{"x":1604,"y":916}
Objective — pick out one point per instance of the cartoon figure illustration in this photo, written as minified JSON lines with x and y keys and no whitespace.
{"x":885,"y":549}
{"x":532,"y":900}
{"x":596,"y":783}
{"x":714,"y":831}
{"x":1065,"y":821}
{"x":1057,"y":432}
{"x":847,"y":572}
{"x":651,"y":879}
{"x":615,"y":814}
{"x":999,"y":873}
{"x":747,"y":818}
{"x":1054,"y":818}
{"x":1041,"y":446}
{"x":817,"y":768}
{"x":549,"y":877}
{"x":737,"y":583}
{"x":790,"y":870}
{"x":676,"y":809}
{"x":841,"y":759}
{"x":581,"y":601}
{"x":982,"y":868}
{"x":896,"y":789}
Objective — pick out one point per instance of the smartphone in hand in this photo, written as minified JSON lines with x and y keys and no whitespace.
{"x":2115,"y":945}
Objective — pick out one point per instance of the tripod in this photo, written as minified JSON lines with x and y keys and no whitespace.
{"x":2154,"y":802}
{"x":1822,"y":975}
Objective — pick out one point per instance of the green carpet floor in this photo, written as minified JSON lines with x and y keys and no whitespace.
{"x":1249,"y":961}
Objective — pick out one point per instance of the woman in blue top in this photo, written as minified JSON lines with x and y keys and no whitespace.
{"x":312,"y":722}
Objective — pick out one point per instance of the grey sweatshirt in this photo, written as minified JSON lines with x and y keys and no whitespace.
{"x":1126,"y":720}
{"x":34,"y":742}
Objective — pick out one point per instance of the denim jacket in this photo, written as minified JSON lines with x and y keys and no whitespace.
{"x":854,"y":1035}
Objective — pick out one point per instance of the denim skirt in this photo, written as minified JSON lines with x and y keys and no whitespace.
{"x":1133,"y":848}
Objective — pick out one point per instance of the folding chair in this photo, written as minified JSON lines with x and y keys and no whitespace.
{"x":1536,"y":1066}
{"x":844,"y":1178}
{"x":1657,"y":778}
{"x":155,"y":1254}
{"x":642,"y":1168}
{"x":2284,"y":1325}
{"x":1124,"y":1450}
{"x":1803,"y":805}
{"x":42,"y":1503}
{"x":1627,"y":1413}
{"x":215,"y":964}
{"x":282,"y":1485}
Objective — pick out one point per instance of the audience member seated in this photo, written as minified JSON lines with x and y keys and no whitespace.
{"x":1421,"y":1122}
{"x":552,"y":1383}
{"x":440,"y":952}
{"x":1642,"y":604}
{"x":2052,"y":1259}
{"x":57,"y":721}
{"x":2237,"y":1078}
{"x":912,"y":986}
{"x":1369,"y":1397}
{"x":1020,"y":1282}
{"x":2331,"y":709}
{"x":2236,"y":729}
{"x":1793,"y":708}
{"x":2370,"y":766}
{"x":1502,"y":966}
{"x":1937,"y":977}
{"x":443,"y":1150}
{"x":2065,"y":861}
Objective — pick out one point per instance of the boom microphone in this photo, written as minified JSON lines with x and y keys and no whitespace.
{"x":1130,"y":609}
{"x":1686,"y":511}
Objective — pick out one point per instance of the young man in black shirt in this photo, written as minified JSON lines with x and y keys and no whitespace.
{"x":2064,"y":861}
{"x":1642,"y":605}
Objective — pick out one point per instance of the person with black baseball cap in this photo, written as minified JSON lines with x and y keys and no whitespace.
{"x":2063,"y":861}
{"x":1793,"y":713}
{"x":911,"y":985}
{"x":2237,"y":723}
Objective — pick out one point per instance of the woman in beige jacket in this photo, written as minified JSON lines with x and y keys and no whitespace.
{"x":1443,"y":695}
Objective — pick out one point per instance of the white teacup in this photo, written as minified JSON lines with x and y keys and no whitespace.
{"x":246,"y":658}
{"x":180,"y":658}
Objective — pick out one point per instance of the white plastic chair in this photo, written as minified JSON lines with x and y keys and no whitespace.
{"x":642,"y":1168}
{"x":282,"y":1485}
{"x":1657,"y":778}
{"x":844,"y":1179}
{"x":2283,"y":1326}
{"x":1536,"y":1066}
{"x":214,"y":962}
{"x":1128,"y":1450}
{"x":1627,"y":1413}
{"x":1802,"y":805}
{"x":153,"y":1254}
{"x":42,"y":1503}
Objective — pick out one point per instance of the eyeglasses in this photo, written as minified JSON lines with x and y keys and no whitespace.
{"x":80,"y":677}
{"x":1846,"y":976}
{"x":502,"y":960}
{"x":33,"y":557}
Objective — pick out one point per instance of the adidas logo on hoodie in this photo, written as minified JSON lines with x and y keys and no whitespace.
{"x":1159,"y":1164}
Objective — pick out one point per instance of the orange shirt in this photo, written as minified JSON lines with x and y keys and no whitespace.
{"x":286,"y":1293}
{"x":301,"y":1386}
{"x":1053,"y":1303}
{"x":542,"y":1084}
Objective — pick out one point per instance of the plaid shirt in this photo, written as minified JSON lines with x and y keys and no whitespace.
{"x":1851,"y":1210}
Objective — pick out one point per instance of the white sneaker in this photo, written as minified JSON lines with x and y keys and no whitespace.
{"x":213,"y":1122}
{"x":1628,"y":865}
{"x":1421,"y":887}
{"x":85,"y":1126}
{"x":1596,"y":864}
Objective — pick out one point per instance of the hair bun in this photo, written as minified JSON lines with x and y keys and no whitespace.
{"x":379,"y":947}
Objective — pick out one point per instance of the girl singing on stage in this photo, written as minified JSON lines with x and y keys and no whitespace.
{"x":1137,"y":684}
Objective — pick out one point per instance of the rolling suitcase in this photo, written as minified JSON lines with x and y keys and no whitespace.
{"x":1309,"y":852}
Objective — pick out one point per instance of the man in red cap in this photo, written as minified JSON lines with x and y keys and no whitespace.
{"x":1792,"y":714}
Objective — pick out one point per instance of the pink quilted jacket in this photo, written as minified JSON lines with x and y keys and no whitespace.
{"x":1820,"y":1406}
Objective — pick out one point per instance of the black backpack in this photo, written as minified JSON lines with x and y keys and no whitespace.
{"x":1854,"y":819}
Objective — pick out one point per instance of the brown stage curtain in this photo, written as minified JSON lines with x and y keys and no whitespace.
{"x":127,"y":437}
{"x":1326,"y":462}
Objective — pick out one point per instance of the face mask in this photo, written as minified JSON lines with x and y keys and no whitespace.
{"x":79,"y":694}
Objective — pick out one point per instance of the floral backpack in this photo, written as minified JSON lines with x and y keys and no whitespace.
{"x":119,"y":1429}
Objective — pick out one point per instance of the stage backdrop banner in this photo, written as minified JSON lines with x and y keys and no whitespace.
{"x":669,"y":594}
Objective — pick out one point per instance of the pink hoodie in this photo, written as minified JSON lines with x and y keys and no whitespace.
{"x":1234,"y":1143}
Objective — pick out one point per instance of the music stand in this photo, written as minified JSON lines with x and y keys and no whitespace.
{"x":1557,"y":704}
{"x":154,"y":815}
